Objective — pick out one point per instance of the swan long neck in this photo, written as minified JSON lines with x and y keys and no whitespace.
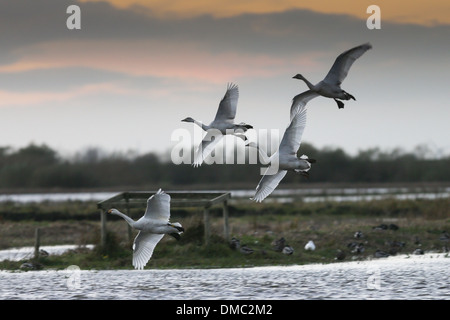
{"x":201,"y":125}
{"x":309,"y":84}
{"x":130,"y":221}
{"x":265,"y":158}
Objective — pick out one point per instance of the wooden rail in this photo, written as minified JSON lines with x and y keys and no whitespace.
{"x":179,"y":199}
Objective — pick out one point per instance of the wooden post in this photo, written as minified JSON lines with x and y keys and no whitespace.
{"x":103,"y":227}
{"x":226,"y":229}
{"x":206,"y":224}
{"x":37,"y":242}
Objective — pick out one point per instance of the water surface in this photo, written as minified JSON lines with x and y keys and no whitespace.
{"x":401,"y":277}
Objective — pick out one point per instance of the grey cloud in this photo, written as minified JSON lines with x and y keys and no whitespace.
{"x":413,"y":49}
{"x":62,"y":79}
{"x":289,"y":31}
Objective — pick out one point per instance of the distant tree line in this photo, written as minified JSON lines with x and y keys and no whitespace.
{"x":42,"y":167}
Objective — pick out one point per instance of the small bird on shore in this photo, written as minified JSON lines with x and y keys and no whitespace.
{"x":279,"y":244}
{"x":445,"y":236}
{"x":43,"y":253}
{"x":393,"y":227}
{"x":235,"y":243}
{"x":340,"y":255}
{"x":417,"y":241}
{"x":310,"y":246}
{"x":30,"y":266}
{"x":152,"y":227}
{"x":288,"y":250}
{"x":381,"y":254}
{"x":358,"y":248}
{"x":246,"y":249}
{"x":358,"y":234}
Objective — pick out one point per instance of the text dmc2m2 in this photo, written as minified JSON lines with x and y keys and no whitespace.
{"x":226,"y":309}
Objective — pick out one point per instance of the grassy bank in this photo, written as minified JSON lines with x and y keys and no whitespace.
{"x":330,"y":225}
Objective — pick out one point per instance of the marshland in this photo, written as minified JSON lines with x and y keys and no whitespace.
{"x":349,"y":219}
{"x":344,"y":194}
{"x":419,"y":224}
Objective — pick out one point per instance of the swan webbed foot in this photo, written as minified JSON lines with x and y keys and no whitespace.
{"x":303,"y":173}
{"x":339,"y":103}
{"x":175,"y":235}
{"x":348,"y":96}
{"x":351,"y":97}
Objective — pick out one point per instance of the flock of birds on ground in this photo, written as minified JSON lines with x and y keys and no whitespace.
{"x":356,"y":247}
{"x":155,"y":222}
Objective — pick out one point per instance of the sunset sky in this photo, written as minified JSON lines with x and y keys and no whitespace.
{"x":136,"y":68}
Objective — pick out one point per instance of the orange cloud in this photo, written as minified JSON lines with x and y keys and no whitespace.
{"x":402,"y":11}
{"x":154,"y":58}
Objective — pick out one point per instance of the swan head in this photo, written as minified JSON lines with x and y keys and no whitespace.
{"x":298,"y":76}
{"x":176,"y":226}
{"x":113,"y":211}
{"x":305,"y":157}
{"x":188,"y":119}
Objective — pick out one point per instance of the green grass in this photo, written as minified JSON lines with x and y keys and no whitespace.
{"x":330,"y":225}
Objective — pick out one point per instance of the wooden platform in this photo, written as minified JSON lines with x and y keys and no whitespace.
{"x":179,"y":199}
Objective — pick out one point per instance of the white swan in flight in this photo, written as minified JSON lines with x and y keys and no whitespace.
{"x":152,"y":227}
{"x":223,"y":124}
{"x":330,"y":86}
{"x":285,"y":157}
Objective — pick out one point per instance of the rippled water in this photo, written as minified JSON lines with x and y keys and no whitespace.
{"x":413,"y":277}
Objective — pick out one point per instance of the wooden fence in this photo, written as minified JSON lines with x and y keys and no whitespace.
{"x":179,"y":199}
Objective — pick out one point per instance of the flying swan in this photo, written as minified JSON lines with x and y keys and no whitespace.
{"x":152,"y":227}
{"x":286,"y":157}
{"x":330,"y":86}
{"x":223,"y":124}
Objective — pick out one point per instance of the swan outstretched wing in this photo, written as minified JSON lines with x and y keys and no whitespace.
{"x":158,"y":206}
{"x":300,"y":100}
{"x":343,"y":62}
{"x":292,"y":138}
{"x":207,"y":145}
{"x":143,"y":247}
{"x":228,"y":104}
{"x":267,"y":184}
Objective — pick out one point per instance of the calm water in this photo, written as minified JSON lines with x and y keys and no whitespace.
{"x":413,"y":277}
